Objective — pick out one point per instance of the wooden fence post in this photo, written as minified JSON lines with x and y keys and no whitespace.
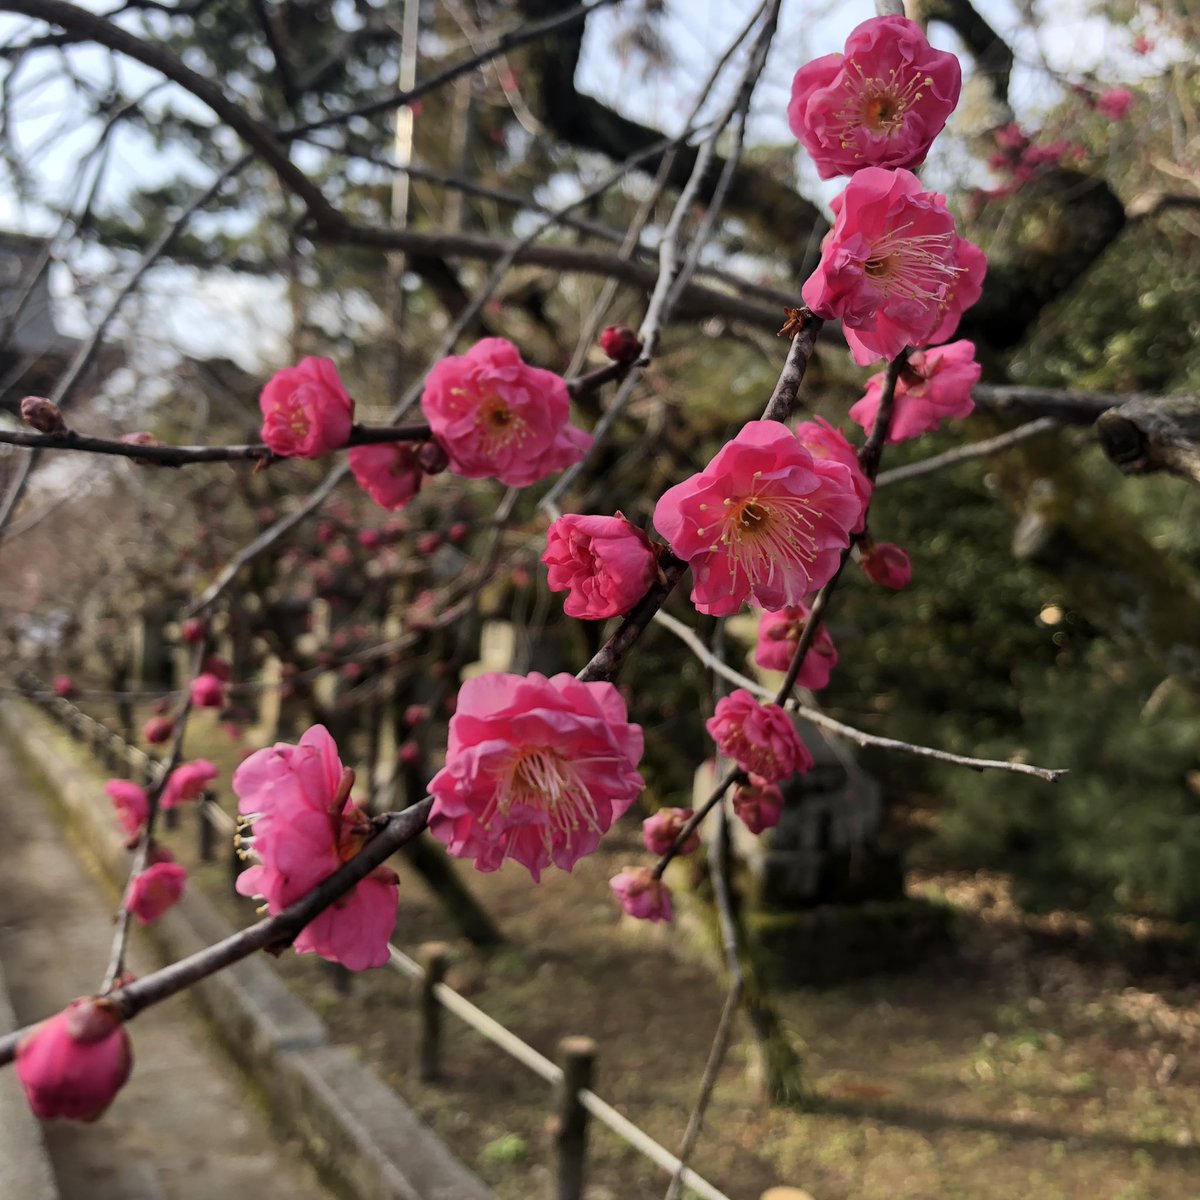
{"x":206,"y":832}
{"x":578,"y":1058}
{"x":434,"y":958}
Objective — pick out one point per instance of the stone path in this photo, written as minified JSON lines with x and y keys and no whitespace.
{"x":186,"y":1126}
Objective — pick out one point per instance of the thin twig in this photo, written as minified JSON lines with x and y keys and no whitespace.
{"x":182,"y":456}
{"x":861,"y":737}
{"x":116,"y":963}
{"x":969,"y":452}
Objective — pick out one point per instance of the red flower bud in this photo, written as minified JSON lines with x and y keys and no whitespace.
{"x":620,"y":343}
{"x":431,"y":458}
{"x":158,"y":730}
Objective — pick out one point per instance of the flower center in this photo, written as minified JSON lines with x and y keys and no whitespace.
{"x":916,"y":267}
{"x":765,"y":533}
{"x":499,"y":424}
{"x":542,"y":778}
{"x":877,"y":103}
{"x":298,"y":421}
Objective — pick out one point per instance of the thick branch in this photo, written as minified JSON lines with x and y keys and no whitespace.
{"x":1153,"y":434}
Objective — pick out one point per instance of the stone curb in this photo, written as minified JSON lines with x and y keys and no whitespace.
{"x":353,"y":1126}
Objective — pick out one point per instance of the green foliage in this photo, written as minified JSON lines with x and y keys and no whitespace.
{"x":1122,"y":831}
{"x":508,"y":1150}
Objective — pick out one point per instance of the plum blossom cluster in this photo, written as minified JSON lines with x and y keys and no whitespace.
{"x":305,"y":825}
{"x":1018,"y":158}
{"x":491,"y":415}
{"x":893,"y":269}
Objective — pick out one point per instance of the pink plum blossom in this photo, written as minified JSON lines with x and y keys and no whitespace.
{"x":306,"y":410}
{"x":304,"y":827}
{"x":778,"y":635}
{"x":885,"y":564}
{"x":758,"y":804}
{"x":935,"y":385}
{"x":880,"y":104}
{"x":131,"y":803}
{"x":641,"y":895}
{"x":154,"y":890}
{"x":760,"y":738}
{"x":970,"y":265}
{"x":891,"y":265}
{"x":823,"y":440}
{"x":660,"y":831}
{"x":73,"y":1064}
{"x":765,"y":519}
{"x":1114,"y":103}
{"x":498,"y":418}
{"x":187,"y":782}
{"x":604,"y":563}
{"x":64,"y":687}
{"x":207,"y":691}
{"x":537,"y":770}
{"x":387,"y":472}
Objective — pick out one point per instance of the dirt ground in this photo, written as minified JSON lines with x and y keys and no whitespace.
{"x":1015,"y":1067}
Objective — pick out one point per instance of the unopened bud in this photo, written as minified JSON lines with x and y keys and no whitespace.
{"x":431,"y":458}
{"x":158,"y":730}
{"x":620,"y":343}
{"x":194,"y":629}
{"x":42,"y":414}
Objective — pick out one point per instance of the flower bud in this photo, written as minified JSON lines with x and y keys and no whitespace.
{"x":41,"y":414}
{"x":154,"y":890}
{"x":74,"y":1064}
{"x":641,"y":895}
{"x":885,"y":564}
{"x":207,"y":691}
{"x":660,"y":831}
{"x":620,"y":343}
{"x":158,"y":730}
{"x":193,"y":630}
{"x":432,"y":458}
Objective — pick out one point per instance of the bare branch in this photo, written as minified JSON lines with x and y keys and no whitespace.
{"x":968,"y":453}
